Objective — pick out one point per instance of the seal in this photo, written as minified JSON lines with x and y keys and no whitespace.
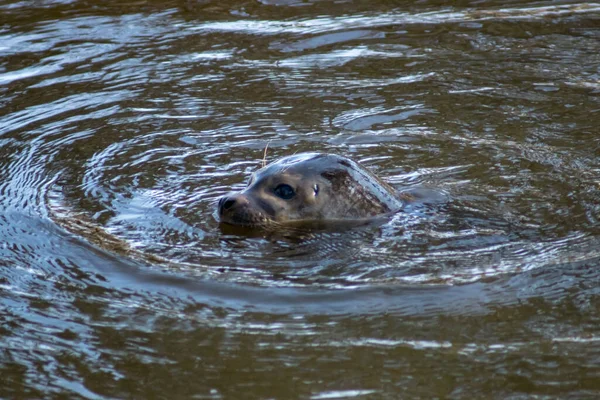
{"x":309,"y":186}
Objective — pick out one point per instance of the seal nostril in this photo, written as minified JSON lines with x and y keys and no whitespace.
{"x":226,"y":203}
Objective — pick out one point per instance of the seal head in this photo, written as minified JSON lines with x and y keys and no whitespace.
{"x":308,"y":186}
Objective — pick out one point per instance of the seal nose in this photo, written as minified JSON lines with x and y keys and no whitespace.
{"x":225,"y":203}
{"x":230,"y":202}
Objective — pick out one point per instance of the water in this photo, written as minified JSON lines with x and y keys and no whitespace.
{"x":122,"y":124}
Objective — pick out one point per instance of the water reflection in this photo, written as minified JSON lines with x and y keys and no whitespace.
{"x":122,"y":124}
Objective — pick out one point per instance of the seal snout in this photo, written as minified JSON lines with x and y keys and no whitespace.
{"x":229,"y":202}
{"x":236,"y":208}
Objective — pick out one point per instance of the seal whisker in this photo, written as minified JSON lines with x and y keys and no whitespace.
{"x":264,"y":160}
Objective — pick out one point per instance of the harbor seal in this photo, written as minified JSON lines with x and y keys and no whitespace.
{"x":309,"y":186}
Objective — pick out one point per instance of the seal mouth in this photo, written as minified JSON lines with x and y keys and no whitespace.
{"x":245,"y":219}
{"x":243,"y":216}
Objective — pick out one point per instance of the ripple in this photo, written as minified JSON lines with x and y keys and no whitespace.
{"x":122,"y":124}
{"x":150,"y":196}
{"x":326,"y":24}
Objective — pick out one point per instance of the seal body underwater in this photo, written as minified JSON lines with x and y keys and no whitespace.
{"x":309,"y":186}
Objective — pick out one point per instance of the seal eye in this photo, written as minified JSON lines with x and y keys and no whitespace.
{"x":284,"y":191}
{"x":316,"y":189}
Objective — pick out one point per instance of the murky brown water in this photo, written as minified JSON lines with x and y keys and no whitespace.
{"x":121,"y":124}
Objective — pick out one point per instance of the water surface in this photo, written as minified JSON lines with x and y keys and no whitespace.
{"x":123,"y":123}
